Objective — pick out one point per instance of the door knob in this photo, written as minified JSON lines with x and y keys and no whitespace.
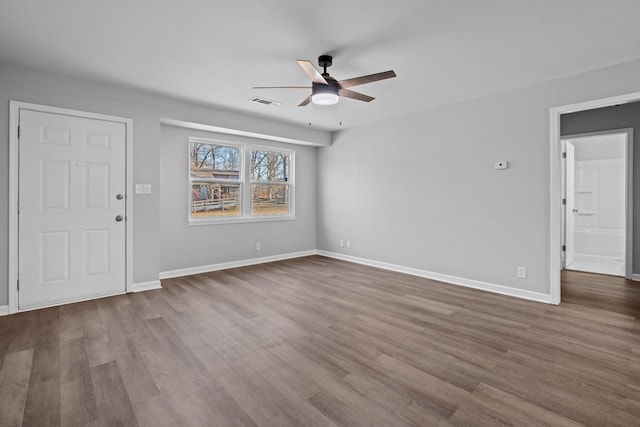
{"x":119,"y":218}
{"x":119,"y":197}
{"x":575,"y":211}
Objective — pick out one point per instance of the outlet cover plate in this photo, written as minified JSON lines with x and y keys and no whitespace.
{"x":522,"y":272}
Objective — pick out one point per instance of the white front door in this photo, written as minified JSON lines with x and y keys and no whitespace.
{"x":72,"y":204}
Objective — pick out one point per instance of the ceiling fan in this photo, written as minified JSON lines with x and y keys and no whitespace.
{"x":325,"y":90}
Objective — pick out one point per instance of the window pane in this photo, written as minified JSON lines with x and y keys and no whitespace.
{"x":215,"y":161}
{"x":212,"y":200}
{"x":270,"y":199}
{"x":269,"y":166}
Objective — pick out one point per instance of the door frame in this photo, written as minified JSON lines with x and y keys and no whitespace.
{"x":628,"y":212}
{"x":555,"y":195}
{"x":14,"y":122}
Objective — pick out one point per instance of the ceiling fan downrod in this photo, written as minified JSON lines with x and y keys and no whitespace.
{"x":325,"y":61}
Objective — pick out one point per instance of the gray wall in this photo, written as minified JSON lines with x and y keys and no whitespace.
{"x":183,"y":246}
{"x":145,"y":110}
{"x":617,"y":117}
{"x":421,"y":191}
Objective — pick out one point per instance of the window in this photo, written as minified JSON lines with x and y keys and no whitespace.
{"x":215,"y":180}
{"x":218,"y":175}
{"x":269,"y":182}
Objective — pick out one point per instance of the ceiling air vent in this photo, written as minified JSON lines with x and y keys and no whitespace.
{"x":264,"y":101}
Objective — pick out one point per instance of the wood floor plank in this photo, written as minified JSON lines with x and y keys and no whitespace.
{"x":156,"y":411}
{"x":316,"y":341}
{"x":77,"y":402}
{"x":77,"y":398}
{"x":136,"y":375}
{"x":487,"y":407}
{"x":14,"y":383}
{"x":113,"y":403}
{"x":43,"y":397}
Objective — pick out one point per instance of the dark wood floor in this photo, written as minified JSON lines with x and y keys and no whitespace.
{"x":315,"y":341}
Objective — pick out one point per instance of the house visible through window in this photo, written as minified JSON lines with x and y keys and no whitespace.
{"x":269,"y":182}
{"x":217,"y":178}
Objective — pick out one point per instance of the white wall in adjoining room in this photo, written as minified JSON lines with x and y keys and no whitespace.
{"x":421,"y":191}
{"x":600,"y":190}
{"x":184,"y":246}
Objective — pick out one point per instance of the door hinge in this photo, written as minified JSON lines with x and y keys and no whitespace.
{"x":564,"y":155}
{"x":564,"y":248}
{"x":18,"y":284}
{"x":564,"y":201}
{"x":18,"y":132}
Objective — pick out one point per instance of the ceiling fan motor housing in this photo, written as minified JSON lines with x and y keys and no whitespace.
{"x":327,"y":92}
{"x":332,"y":87}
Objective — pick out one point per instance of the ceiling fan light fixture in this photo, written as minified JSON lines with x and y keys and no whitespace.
{"x":325,"y":94}
{"x":325,"y":98}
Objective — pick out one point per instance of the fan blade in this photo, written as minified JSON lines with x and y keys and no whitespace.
{"x":311,"y":71}
{"x":282,"y":87}
{"x":305,"y":102}
{"x":355,"y":95}
{"x":367,"y":79}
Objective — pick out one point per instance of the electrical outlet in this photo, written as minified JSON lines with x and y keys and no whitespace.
{"x":348,"y":244}
{"x":522,"y":272}
{"x":341,"y":243}
{"x":258,"y":246}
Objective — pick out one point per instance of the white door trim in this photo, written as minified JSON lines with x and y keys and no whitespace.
{"x":555,"y":195}
{"x":14,"y":115}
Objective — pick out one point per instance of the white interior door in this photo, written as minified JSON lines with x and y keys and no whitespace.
{"x":570,"y":210}
{"x":72,"y":232}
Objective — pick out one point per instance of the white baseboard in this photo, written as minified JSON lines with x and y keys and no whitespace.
{"x":146,"y":286}
{"x":461,"y":281}
{"x":233,"y":264}
{"x":4,"y":310}
{"x":635,"y":277}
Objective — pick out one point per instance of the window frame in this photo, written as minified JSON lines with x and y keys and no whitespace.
{"x":244,"y":182}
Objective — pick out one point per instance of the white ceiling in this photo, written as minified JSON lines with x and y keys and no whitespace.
{"x":214,"y":52}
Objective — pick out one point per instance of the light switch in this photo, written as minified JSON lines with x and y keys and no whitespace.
{"x":143,"y":188}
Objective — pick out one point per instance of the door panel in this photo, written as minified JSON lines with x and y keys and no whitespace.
{"x":70,"y":245}
{"x":96,"y":249}
{"x":97,"y":185}
{"x":54,"y":256}
{"x":570,"y":205}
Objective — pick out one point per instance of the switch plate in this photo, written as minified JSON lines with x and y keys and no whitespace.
{"x":522,"y":272}
{"x":143,"y":188}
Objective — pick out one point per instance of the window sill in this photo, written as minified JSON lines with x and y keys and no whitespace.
{"x":240,"y":220}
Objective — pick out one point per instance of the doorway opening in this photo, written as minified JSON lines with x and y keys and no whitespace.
{"x":595,"y":180}
{"x":556,"y":217}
